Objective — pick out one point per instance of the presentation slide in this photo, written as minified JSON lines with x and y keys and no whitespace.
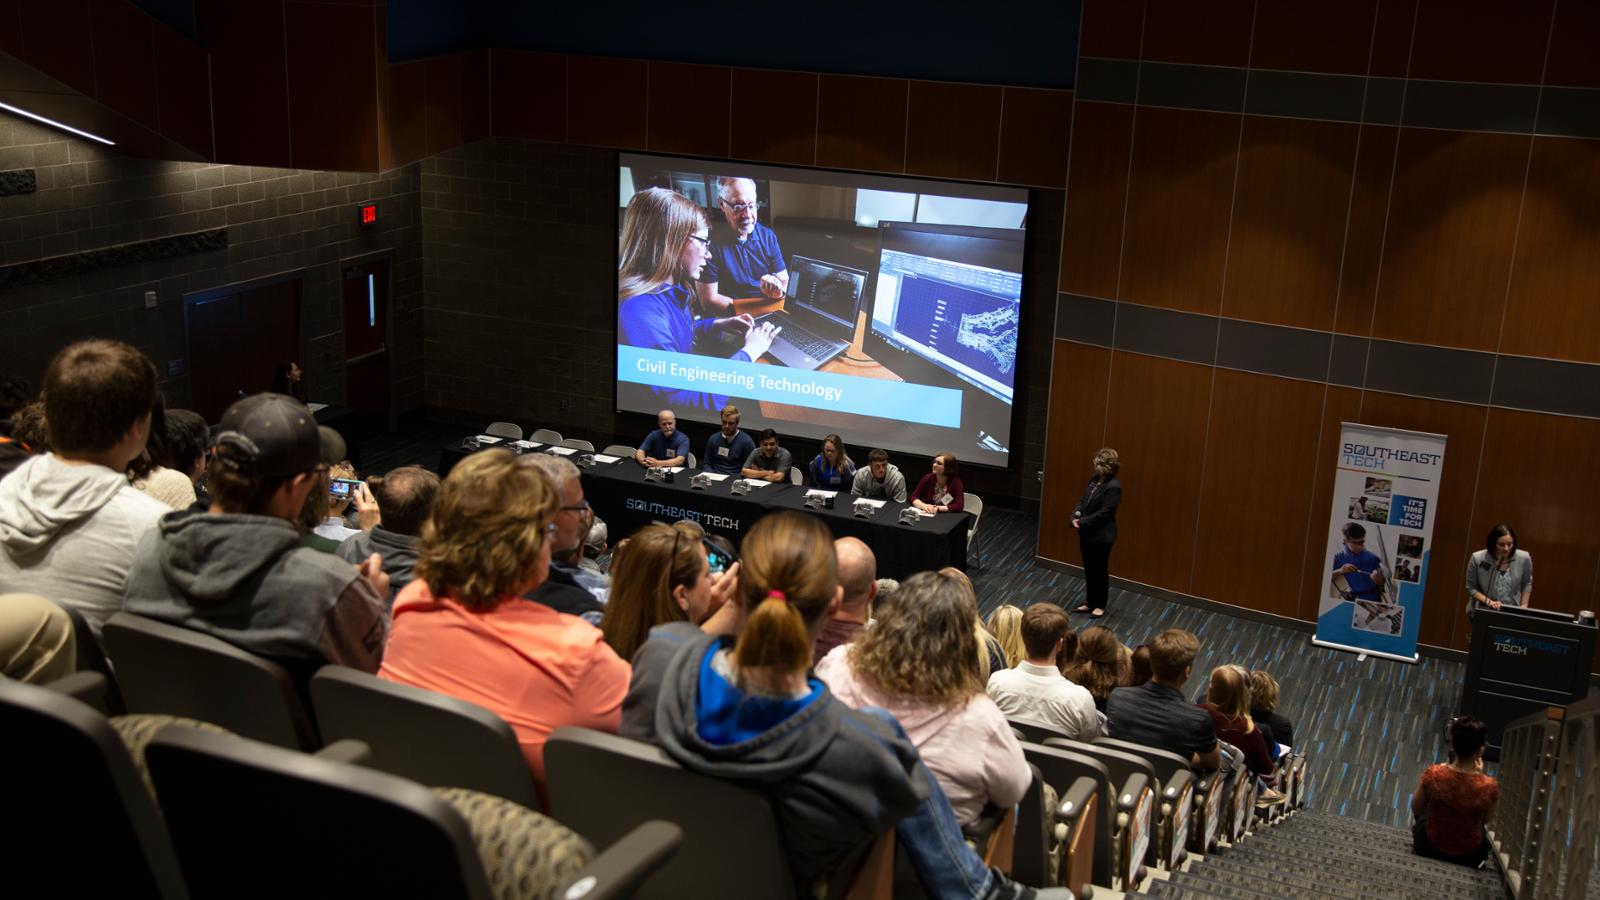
{"x":884,"y":310}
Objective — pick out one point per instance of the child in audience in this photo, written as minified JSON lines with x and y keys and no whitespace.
{"x":462,"y":629}
{"x":1099,"y":665}
{"x":1138,"y":667}
{"x":733,"y":701}
{"x":1228,"y":701}
{"x":1263,"y":709}
{"x":1455,"y":800}
{"x":1005,"y":624}
{"x":659,"y":575}
{"x":910,"y":662}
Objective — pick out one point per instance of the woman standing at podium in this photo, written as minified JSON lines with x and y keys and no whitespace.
{"x":1499,"y":574}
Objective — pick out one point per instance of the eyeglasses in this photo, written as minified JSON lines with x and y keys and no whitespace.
{"x":744,"y":207}
{"x":704,"y":242}
{"x":582,"y":508}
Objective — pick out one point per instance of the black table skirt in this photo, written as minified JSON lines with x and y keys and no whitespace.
{"x":622,"y":497}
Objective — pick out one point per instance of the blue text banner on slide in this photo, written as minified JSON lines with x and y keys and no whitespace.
{"x":1380,"y":540}
{"x":924,"y":404}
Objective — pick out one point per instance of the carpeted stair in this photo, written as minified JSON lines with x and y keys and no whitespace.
{"x":1317,"y":854}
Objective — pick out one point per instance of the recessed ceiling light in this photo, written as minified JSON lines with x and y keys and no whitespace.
{"x":54,"y":124}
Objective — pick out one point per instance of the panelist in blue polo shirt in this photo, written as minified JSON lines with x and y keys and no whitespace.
{"x":746,"y":260}
{"x":666,"y":446}
{"x":664,"y":247}
{"x":1360,"y":567}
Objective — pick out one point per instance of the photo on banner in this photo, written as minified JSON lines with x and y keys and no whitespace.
{"x":1385,"y":497}
{"x":887,"y":310}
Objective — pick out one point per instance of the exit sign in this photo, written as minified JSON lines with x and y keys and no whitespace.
{"x":369,"y":213}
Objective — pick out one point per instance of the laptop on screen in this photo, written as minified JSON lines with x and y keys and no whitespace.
{"x":819,"y":312}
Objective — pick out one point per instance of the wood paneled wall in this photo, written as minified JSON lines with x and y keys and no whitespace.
{"x":1474,"y":240}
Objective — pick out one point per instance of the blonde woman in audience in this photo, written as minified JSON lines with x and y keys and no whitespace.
{"x":991,"y":656}
{"x":659,"y":575}
{"x":1099,"y":665}
{"x":1005,"y":624}
{"x":462,"y":628}
{"x":1264,"y":710}
{"x":1228,"y":701}
{"x":733,"y":700}
{"x":911,"y":662}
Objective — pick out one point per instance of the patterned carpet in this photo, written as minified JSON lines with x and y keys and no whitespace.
{"x":1369,"y":727}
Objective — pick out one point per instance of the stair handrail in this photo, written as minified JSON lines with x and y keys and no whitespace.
{"x":1546,"y":826}
{"x":1527,"y":766}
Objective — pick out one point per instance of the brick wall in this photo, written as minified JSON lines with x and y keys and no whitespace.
{"x":278,"y":220}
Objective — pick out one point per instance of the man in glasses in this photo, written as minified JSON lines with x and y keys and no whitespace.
{"x":746,"y":260}
{"x":1357,"y":567}
{"x":570,"y":588}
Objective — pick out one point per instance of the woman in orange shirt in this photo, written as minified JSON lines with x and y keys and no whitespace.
{"x":462,"y":629}
{"x":1455,"y":800}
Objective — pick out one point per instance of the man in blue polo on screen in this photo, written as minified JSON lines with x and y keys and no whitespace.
{"x":1357,"y":572}
{"x":664,"y":447}
{"x":665,"y":245}
{"x":746,"y":260}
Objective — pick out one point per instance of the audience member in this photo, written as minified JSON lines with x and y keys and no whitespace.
{"x":1454,"y":800}
{"x":30,"y":426}
{"x":940,"y":490}
{"x":333,"y":526}
{"x":880,"y":480}
{"x":1156,"y":714}
{"x":911,"y":662}
{"x":14,"y":396}
{"x":1035,"y":691}
{"x":858,"y":575}
{"x":404,"y":497}
{"x":887,"y":588}
{"x":832,"y":468}
{"x":37,"y":644}
{"x":1099,"y":666}
{"x":1263,"y":709}
{"x":769,"y":462}
{"x":239,"y":572}
{"x":1228,"y":702}
{"x":991,"y":656}
{"x":660,"y":575}
{"x":289,"y":380}
{"x":727,"y":449}
{"x":666,"y":446}
{"x":596,"y":552}
{"x":733,"y":701}
{"x":461,"y":629}
{"x":569,"y":588}
{"x":1138,"y":667}
{"x":153,"y":473}
{"x":1005,"y":624}
{"x":70,"y":522}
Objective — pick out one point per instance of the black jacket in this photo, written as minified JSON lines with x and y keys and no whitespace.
{"x":1097,"y":511}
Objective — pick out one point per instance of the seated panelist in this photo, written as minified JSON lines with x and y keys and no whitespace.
{"x":666,"y":446}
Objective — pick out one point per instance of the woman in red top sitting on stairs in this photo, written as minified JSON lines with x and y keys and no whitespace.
{"x":1454,"y":800}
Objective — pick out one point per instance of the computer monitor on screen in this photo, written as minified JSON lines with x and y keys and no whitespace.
{"x":952,"y":295}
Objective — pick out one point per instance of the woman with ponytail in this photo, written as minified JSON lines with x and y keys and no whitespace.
{"x":732,"y":699}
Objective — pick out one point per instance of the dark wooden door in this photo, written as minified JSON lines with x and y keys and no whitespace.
{"x":366,"y":350}
{"x":236,"y":339}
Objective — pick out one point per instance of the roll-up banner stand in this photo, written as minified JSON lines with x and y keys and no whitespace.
{"x":1380,"y":538}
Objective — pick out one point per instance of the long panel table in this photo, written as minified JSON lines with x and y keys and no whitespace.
{"x":622,"y":496}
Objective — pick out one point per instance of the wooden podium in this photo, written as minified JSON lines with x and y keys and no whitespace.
{"x":1521,"y":661}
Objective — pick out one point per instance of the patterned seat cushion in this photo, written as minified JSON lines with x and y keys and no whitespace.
{"x":526,"y":855}
{"x":137,"y":730}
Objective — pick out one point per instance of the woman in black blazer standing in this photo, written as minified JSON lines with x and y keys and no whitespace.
{"x":1096,"y":522}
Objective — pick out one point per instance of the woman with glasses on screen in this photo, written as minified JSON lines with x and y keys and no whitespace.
{"x":462,"y":629}
{"x":665,"y":245}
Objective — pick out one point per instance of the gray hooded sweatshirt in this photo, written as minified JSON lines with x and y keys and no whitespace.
{"x":247,"y":580}
{"x":837,"y":778}
{"x":68,"y":533}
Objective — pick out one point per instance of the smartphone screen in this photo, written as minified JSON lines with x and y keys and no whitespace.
{"x":340,"y":488}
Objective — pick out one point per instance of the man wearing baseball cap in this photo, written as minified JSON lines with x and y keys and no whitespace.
{"x":238,"y":571}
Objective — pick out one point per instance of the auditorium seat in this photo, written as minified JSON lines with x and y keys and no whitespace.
{"x":79,"y":818}
{"x":546,"y":436}
{"x":578,"y":444}
{"x":973,"y":504}
{"x":1035,"y":734}
{"x":1173,"y":773}
{"x":169,"y":669}
{"x":1040,"y":814}
{"x":509,"y":430}
{"x":1126,"y":807}
{"x":732,"y":847}
{"x":1123,"y":766}
{"x":422,"y":735}
{"x":298,"y":824}
{"x":92,"y":659}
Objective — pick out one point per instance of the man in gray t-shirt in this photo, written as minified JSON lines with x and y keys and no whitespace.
{"x":768,"y":462}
